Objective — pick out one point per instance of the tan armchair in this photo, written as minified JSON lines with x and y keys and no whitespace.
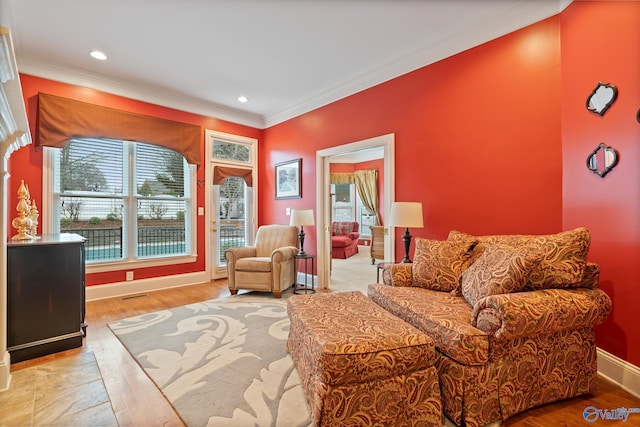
{"x":269,"y":265}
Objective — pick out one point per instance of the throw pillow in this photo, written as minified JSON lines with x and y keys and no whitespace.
{"x":564,"y":255}
{"x":342,"y":228}
{"x":438,"y":264}
{"x":500,"y":269}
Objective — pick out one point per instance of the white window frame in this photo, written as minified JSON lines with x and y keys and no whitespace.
{"x":133,"y":262}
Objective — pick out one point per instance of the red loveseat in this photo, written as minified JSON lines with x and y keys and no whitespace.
{"x":344,"y":239}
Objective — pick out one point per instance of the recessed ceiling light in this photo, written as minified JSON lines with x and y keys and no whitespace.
{"x":98,"y":55}
{"x":243,"y":99}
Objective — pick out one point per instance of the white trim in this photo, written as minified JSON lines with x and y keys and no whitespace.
{"x":138,"y":91}
{"x":252,"y":143}
{"x":620,"y":372}
{"x":14,"y":131}
{"x":119,"y":289}
{"x":323,"y":235}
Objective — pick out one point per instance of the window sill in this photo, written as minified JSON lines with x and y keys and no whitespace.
{"x":141,"y":263}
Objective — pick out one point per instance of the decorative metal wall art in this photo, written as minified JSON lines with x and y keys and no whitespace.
{"x":602,"y":97}
{"x":602,"y":160}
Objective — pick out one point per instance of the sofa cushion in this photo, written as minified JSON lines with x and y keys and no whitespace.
{"x":445,"y":318}
{"x":564,"y":255}
{"x":438,"y":264}
{"x":501,"y":269}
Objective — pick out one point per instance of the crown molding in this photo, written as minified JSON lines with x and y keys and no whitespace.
{"x":509,"y":20}
{"x":14,"y":126}
{"x":520,"y":14}
{"x":137,"y":91}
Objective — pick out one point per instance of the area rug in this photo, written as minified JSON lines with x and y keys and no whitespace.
{"x":221,"y":362}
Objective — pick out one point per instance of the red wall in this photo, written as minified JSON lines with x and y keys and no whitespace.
{"x":26,"y":163}
{"x":495,"y":140}
{"x":477,"y":138}
{"x":600,"y":42}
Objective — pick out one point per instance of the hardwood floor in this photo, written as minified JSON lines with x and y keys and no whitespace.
{"x":137,"y":402}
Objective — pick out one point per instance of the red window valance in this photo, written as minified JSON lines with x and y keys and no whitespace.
{"x":221,"y":173}
{"x":62,"y":119}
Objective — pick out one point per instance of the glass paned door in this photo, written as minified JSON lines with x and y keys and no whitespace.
{"x":230,"y":220}
{"x":231,"y":201}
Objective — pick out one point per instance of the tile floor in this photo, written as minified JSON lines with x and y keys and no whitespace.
{"x":64,"y":392}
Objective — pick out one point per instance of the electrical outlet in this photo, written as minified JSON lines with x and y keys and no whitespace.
{"x":129,"y":276}
{"x":287,"y":211}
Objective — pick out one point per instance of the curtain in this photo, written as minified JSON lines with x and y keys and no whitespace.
{"x":367,"y":185}
{"x":341,"y":178}
{"x":221,"y":173}
{"x":62,"y":119}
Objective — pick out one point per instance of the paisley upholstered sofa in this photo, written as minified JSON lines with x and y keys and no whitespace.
{"x":512,"y":318}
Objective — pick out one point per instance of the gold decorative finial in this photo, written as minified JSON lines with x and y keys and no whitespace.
{"x":23,"y":222}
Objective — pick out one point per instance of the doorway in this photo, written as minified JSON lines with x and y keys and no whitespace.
{"x":323,"y":196}
{"x":230,"y":197}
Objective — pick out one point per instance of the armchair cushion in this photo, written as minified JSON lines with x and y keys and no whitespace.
{"x":501,"y":269}
{"x":438,"y":264}
{"x":254,"y":264}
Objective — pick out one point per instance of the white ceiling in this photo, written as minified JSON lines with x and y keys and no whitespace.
{"x":287,"y":56}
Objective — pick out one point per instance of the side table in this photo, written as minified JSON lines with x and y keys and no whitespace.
{"x":304,"y":288}
{"x":381,"y":266}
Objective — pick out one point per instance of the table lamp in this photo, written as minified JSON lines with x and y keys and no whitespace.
{"x":301,"y":217}
{"x":406,"y":214}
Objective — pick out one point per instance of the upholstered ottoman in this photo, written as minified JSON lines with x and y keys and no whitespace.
{"x":360,"y":365}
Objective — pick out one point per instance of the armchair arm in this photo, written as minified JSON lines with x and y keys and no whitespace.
{"x":520,"y":314}
{"x":354,"y":235}
{"x":234,"y":254}
{"x":398,"y":275}
{"x":283,"y":254}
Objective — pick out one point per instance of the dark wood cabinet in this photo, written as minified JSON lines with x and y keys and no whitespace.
{"x":45,"y":295}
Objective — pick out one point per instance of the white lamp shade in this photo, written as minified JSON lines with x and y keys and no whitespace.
{"x":406,"y":214}
{"x":302,"y":217}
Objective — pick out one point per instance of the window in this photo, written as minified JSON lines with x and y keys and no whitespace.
{"x":343,"y":207}
{"x":130,"y":200}
{"x":225,"y":150}
{"x":345,"y":210}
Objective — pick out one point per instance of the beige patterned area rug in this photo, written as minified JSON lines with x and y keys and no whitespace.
{"x":221,"y":362}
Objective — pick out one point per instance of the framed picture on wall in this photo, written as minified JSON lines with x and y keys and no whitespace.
{"x":288,"y":182}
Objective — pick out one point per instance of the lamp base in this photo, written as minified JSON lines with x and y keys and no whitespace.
{"x":301,"y":235}
{"x":406,"y":238}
